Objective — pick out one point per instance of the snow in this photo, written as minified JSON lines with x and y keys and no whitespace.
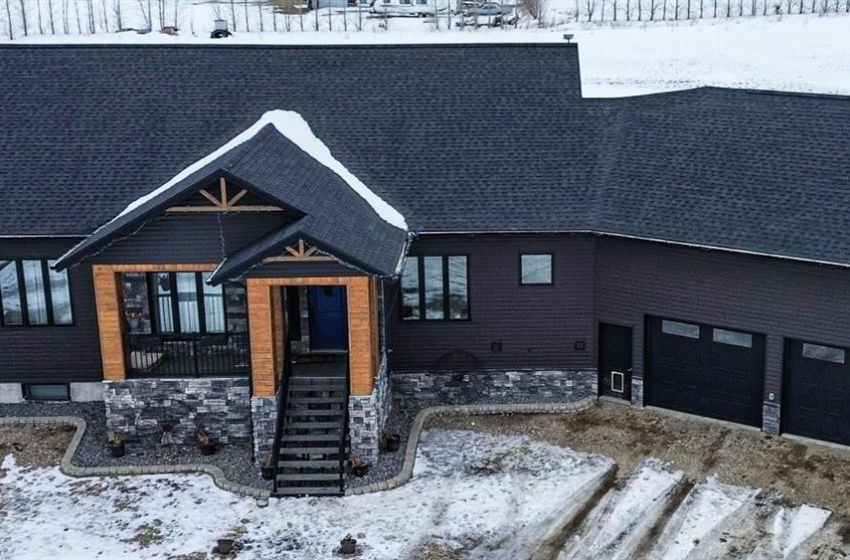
{"x":473,"y":491}
{"x":292,"y":126}
{"x":705,"y":509}
{"x":621,"y":519}
{"x":804,"y":522}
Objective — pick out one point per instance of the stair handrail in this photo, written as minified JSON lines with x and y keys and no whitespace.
{"x":344,"y":436}
{"x":283,"y":393}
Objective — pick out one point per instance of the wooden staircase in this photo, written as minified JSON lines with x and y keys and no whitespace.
{"x":311,"y":444}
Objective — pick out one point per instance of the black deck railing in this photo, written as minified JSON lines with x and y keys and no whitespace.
{"x":283,"y":393}
{"x":343,"y":455}
{"x":187,"y":355}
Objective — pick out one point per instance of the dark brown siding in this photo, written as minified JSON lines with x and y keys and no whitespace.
{"x":769,"y":296}
{"x":190,"y":238}
{"x":52,"y":354}
{"x":538,"y":326}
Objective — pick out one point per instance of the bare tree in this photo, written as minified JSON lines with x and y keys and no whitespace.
{"x":23,"y":8}
{"x":247,"y":24}
{"x":653,"y":9}
{"x":119,"y":18}
{"x":38,"y":14}
{"x":590,"y":5}
{"x":628,"y":10}
{"x":676,"y":10}
{"x":146,"y":14}
{"x":640,"y":9}
{"x":233,"y":14}
{"x":260,"y":13}
{"x":614,"y":8}
{"x":50,"y":15}
{"x":8,"y":6}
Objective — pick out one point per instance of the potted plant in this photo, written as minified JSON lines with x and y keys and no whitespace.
{"x":358,"y":466}
{"x":268,"y":470}
{"x":206,"y":444}
{"x":348,"y":545}
{"x":392,"y":441}
{"x":116,"y":444}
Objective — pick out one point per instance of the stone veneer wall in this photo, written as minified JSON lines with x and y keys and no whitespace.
{"x":637,"y":391}
{"x":770,"y":418}
{"x":140,"y":407}
{"x":515,"y":386}
{"x":264,"y":414}
{"x":367,"y":416}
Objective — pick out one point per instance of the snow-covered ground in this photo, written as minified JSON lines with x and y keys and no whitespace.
{"x":475,"y":495}
{"x":488,"y":495}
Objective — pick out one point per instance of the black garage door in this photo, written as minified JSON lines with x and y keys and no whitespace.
{"x":705,"y":370}
{"x":817,"y":392}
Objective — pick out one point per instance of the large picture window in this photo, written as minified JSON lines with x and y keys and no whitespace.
{"x":33,"y":294}
{"x":435,"y":288}
{"x":173,"y":302}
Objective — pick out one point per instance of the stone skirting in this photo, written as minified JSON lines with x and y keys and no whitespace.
{"x":637,"y":391}
{"x":264,"y":415}
{"x":489,"y":386}
{"x":367,"y":416}
{"x":143,"y":409}
{"x":770,"y":418}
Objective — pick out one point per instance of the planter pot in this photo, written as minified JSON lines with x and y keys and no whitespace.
{"x":347,"y":547}
{"x":268,"y":472}
{"x":225,"y":546}
{"x":208,"y":448}
{"x":392,"y":442}
{"x":360,"y":470}
{"x":116,"y":449}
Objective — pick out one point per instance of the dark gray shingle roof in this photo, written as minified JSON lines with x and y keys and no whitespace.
{"x":458,"y":138}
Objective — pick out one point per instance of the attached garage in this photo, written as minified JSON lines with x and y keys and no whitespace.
{"x":817,"y":392}
{"x":705,"y":370}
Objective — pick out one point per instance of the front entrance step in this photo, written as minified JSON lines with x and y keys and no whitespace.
{"x":312,"y":412}
{"x":290,"y":438}
{"x":313,"y":425}
{"x":309,"y":450}
{"x":309,"y":491}
{"x":310,"y":477}
{"x":305,"y":464}
{"x":316,"y":400}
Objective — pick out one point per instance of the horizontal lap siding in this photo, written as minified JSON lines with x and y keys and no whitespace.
{"x":52,"y":354}
{"x":768,"y":296}
{"x":191,"y":238}
{"x":538,"y":326}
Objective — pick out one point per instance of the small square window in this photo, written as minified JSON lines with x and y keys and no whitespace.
{"x":535,"y":269}
{"x":46,"y":392}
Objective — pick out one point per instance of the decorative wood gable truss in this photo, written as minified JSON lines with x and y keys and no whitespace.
{"x":224,"y":201}
{"x":301,"y":252}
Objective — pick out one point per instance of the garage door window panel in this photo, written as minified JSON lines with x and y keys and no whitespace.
{"x":825,"y":353}
{"x":733,"y":338}
{"x":677,"y":328}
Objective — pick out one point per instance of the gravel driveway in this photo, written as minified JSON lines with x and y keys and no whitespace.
{"x":801,"y":473}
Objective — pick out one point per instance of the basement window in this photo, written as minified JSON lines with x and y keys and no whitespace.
{"x":825,"y":353}
{"x":676,"y":328}
{"x":46,"y":392}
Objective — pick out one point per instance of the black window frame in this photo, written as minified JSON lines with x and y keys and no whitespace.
{"x":153,"y":303}
{"x":25,"y":390}
{"x":48,"y":297}
{"x":551,"y":281}
{"x":446,"y":291}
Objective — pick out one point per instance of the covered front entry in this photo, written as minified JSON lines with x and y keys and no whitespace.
{"x":817,"y":391}
{"x":705,"y":370}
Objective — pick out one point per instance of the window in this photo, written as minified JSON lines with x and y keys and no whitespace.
{"x":435,"y":288}
{"x":46,"y":392}
{"x":535,"y":269}
{"x":32,"y":294}
{"x":734,"y":338}
{"x":173,"y":302}
{"x":679,"y":329}
{"x":825,"y":353}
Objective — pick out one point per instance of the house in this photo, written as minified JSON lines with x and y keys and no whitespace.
{"x":188,"y":232}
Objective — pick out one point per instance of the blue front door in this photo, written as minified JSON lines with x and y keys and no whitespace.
{"x":328,"y":318}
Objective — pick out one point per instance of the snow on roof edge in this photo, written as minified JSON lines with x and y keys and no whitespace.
{"x":293,"y":127}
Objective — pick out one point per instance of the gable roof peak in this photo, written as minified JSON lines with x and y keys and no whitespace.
{"x":292,"y":126}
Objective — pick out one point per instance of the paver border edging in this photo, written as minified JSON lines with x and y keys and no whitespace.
{"x":219,"y":478}
{"x":70,"y":469}
{"x":459,"y":410}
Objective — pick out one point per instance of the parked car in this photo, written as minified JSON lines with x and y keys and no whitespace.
{"x":489,"y":9}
